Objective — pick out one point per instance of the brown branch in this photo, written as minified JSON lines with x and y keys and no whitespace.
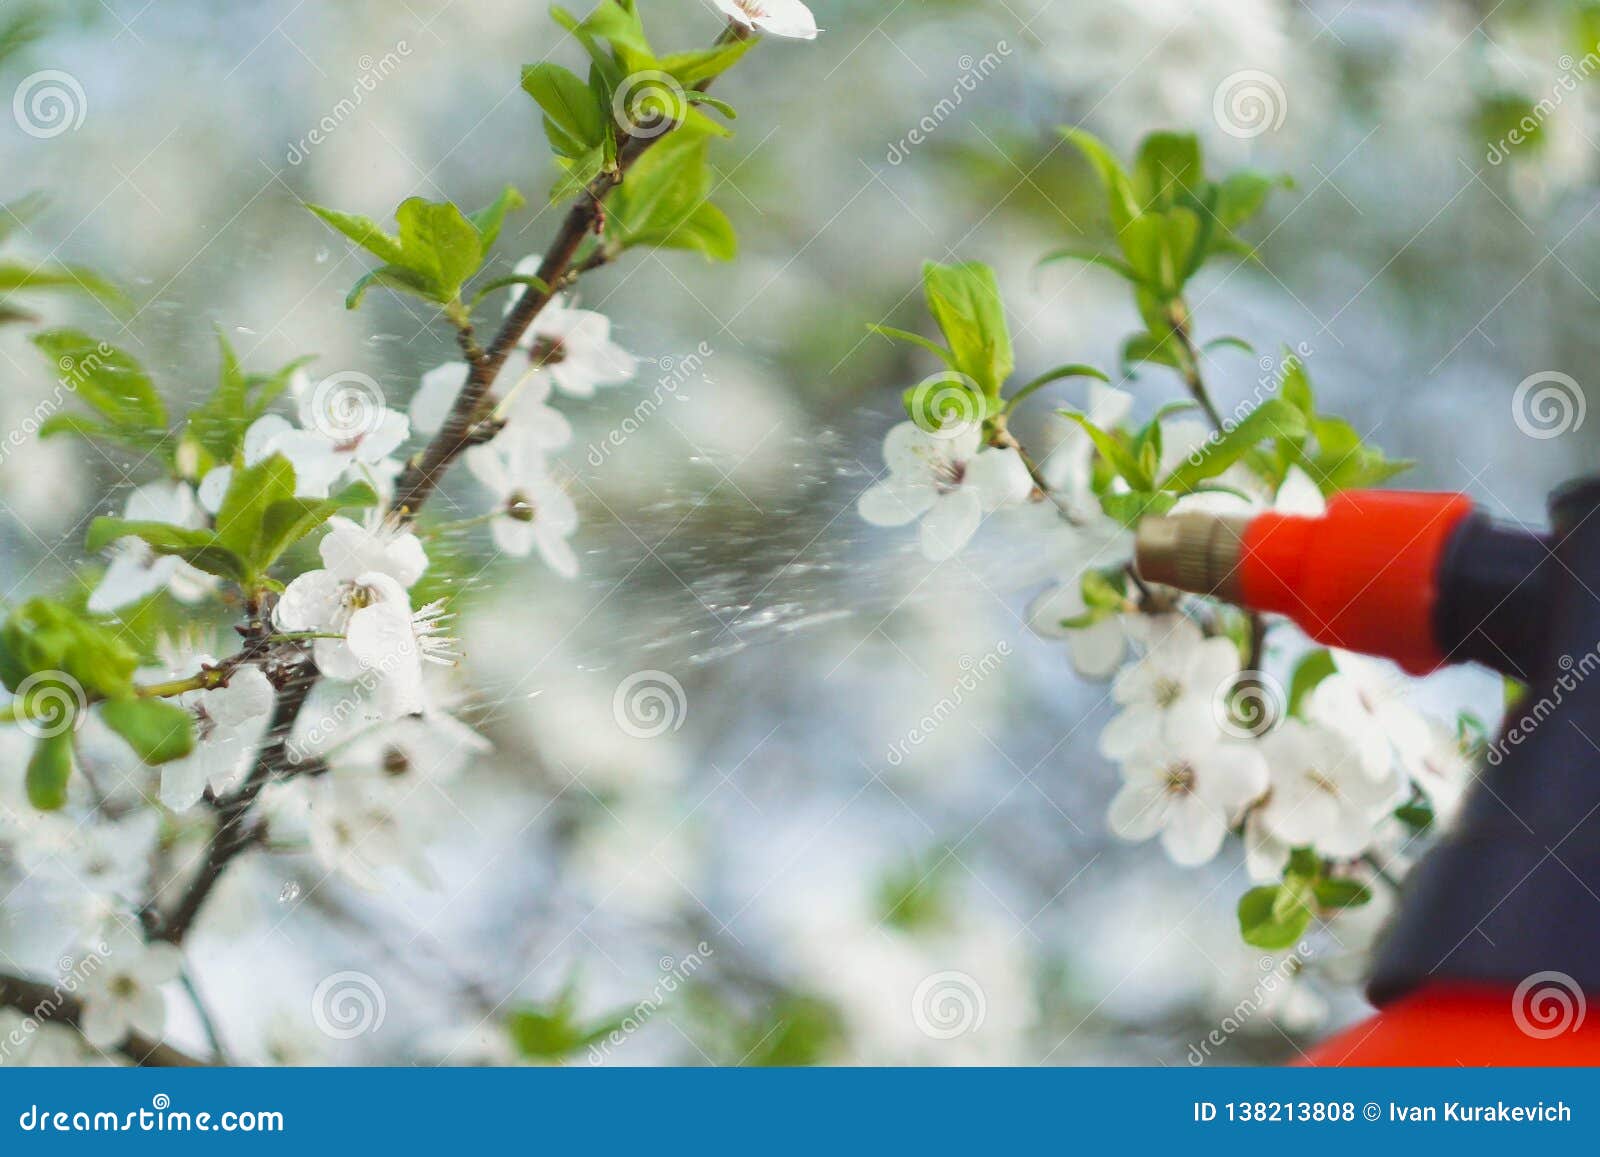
{"x":233,"y":833}
{"x":47,"y":1004}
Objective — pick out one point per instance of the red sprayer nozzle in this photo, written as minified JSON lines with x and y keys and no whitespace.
{"x":1366,"y":576}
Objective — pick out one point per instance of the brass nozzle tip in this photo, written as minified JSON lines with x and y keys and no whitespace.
{"x":1198,"y":553}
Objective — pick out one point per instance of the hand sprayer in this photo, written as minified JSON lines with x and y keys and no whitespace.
{"x":1500,"y":925}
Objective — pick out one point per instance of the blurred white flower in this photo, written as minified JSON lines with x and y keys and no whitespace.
{"x":360,"y":827}
{"x":1320,"y":798}
{"x":124,"y":994}
{"x":1443,"y":770}
{"x":257,"y":445}
{"x":535,"y":512}
{"x":1171,"y":691}
{"x":525,"y":405}
{"x":949,"y":482}
{"x":435,"y":747}
{"x":574,"y":347}
{"x":788,"y":18}
{"x":1096,"y":650}
{"x":1367,"y":701}
{"x":1069,"y":468}
{"x":136,"y":571}
{"x":229,"y":723}
{"x":320,"y":459}
{"x":1188,"y":789}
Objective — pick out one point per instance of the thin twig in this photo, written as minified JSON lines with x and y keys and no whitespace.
{"x":47,"y":1004}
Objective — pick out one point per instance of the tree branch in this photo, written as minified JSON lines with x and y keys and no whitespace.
{"x":47,"y":1004}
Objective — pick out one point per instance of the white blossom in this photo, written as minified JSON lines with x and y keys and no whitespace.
{"x":229,"y":723}
{"x":123,"y":995}
{"x":1320,"y":797}
{"x":788,"y":18}
{"x":948,"y":480}
{"x":535,"y":512}
{"x":1069,"y":469}
{"x":1366,"y":701}
{"x":1171,"y":691}
{"x":136,"y":571}
{"x":574,"y":348}
{"x":1188,"y":789}
{"x":361,"y":827}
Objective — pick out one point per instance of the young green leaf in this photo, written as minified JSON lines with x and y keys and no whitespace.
{"x":106,"y":378}
{"x":49,"y":770}
{"x":1272,"y":917}
{"x":158,"y":732}
{"x":1273,"y":418}
{"x":965,"y":302}
{"x":488,"y":220}
{"x":201,"y":549}
{"x":574,"y":120}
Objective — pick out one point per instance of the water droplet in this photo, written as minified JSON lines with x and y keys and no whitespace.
{"x":290,"y":893}
{"x":322,"y":255}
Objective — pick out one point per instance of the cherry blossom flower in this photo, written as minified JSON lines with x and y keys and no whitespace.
{"x":1188,"y":788}
{"x":788,"y":18}
{"x":949,"y":482}
{"x":326,"y":601}
{"x":436,"y":747}
{"x":1097,"y":649}
{"x":535,"y":512}
{"x":1171,"y":691}
{"x":1069,"y":469}
{"x":136,"y":571}
{"x":1443,"y":769}
{"x":123,"y":995}
{"x":324,"y":449}
{"x":525,"y":406}
{"x":258,"y":444}
{"x":1366,"y":701}
{"x":360,"y":827}
{"x":229,"y":725}
{"x":1320,"y":798}
{"x":574,"y":347}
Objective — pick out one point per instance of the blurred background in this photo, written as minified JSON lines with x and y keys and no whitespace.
{"x":803,"y":893}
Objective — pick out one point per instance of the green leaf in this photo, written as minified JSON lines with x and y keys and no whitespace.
{"x":1167,"y":167}
{"x":286,"y":522}
{"x":252,"y":491}
{"x":158,"y":732}
{"x":488,"y":220}
{"x":392,"y":277}
{"x":1060,"y":373}
{"x":18,"y":276}
{"x":218,"y":425}
{"x":1114,"y":452}
{"x":1265,"y":921}
{"x":916,"y":339}
{"x":201,"y":549}
{"x":47,"y":637}
{"x":49,"y":770}
{"x":705,"y":64}
{"x":1273,"y":418}
{"x":1241,"y":195}
{"x":144,"y":441}
{"x":1091,"y":256}
{"x":1124,"y":205}
{"x":106,"y":378}
{"x":663,"y":202}
{"x":1313,"y":668}
{"x":365,"y":232}
{"x":1342,"y":893}
{"x":965,"y":302}
{"x":440,"y":243}
{"x":1130,"y":507}
{"x":575,"y":122}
